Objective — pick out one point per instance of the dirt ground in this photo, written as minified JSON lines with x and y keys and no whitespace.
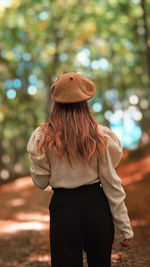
{"x":24,"y":225}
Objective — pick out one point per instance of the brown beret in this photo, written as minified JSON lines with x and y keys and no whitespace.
{"x":72,"y":87}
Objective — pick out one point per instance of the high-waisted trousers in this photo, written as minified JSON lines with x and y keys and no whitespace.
{"x":80,"y":218}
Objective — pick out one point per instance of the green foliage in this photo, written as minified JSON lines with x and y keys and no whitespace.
{"x":39,"y":40}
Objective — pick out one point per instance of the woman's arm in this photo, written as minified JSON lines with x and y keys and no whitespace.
{"x":112,"y":184}
{"x":40,"y":168}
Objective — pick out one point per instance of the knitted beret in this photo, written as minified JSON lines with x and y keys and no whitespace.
{"x":72,"y":87}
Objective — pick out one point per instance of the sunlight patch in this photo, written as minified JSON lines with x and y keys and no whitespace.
{"x":13,"y":227}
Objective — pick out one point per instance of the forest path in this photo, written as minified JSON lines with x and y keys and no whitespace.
{"x":24,"y":225}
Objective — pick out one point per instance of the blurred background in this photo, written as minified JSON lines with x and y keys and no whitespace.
{"x":107,"y":41}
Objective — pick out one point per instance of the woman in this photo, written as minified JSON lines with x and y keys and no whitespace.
{"x":77,"y":157}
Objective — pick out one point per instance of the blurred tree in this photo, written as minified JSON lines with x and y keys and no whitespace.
{"x":107,"y":41}
{"x":146,"y":34}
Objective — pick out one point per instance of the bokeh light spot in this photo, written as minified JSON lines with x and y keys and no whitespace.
{"x":63,"y":57}
{"x":5,"y":3}
{"x":95,"y":64}
{"x":5,"y":159}
{"x":83,"y":57}
{"x":32,"y":79}
{"x":4,"y":174}
{"x":144,"y":103}
{"x":32,"y":90}
{"x":17,"y":83}
{"x":103,"y":64}
{"x":97,"y":107}
{"x":26,"y":56}
{"x":9,"y":83}
{"x":43,"y":15}
{"x":133,"y":99}
{"x":18,"y":167}
{"x":11,"y":93}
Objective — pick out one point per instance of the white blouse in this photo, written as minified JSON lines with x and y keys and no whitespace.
{"x":46,"y":170}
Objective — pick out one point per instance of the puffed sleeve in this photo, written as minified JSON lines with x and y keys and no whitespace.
{"x":40,"y":168}
{"x":112,"y":184}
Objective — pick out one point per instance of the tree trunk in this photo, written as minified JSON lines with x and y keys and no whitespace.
{"x":55,"y":64}
{"x":146,"y":35}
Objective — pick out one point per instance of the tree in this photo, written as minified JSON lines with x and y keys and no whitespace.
{"x":39,"y":40}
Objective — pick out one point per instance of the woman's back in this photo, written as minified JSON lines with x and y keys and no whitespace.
{"x":80,"y":173}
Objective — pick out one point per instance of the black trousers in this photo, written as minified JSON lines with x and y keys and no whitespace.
{"x":80,"y":218}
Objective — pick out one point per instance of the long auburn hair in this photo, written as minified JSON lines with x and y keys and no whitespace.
{"x":72,"y":125}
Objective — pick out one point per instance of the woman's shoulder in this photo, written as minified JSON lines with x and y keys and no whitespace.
{"x":37,"y":135}
{"x":104,"y":129}
{"x":114,"y":145}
